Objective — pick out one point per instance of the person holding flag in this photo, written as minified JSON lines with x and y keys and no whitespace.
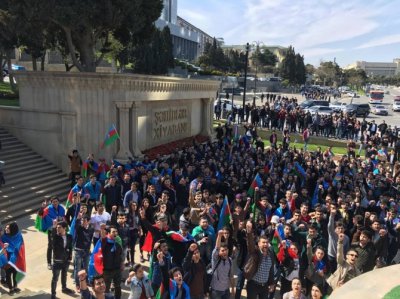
{"x":15,"y":252}
{"x":99,"y":287}
{"x":44,"y":222}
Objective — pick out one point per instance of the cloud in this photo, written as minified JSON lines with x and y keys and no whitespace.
{"x":382,"y":41}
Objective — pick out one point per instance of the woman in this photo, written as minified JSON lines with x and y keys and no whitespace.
{"x":317,"y":270}
{"x":295,"y":293}
{"x":14,"y":246}
{"x":134,"y":229}
{"x":317,"y":292}
{"x":139,"y":283}
{"x":149,"y":215}
{"x":163,"y":210}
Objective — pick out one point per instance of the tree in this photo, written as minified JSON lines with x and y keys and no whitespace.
{"x":214,"y":57}
{"x":329,"y":73}
{"x":300,"y":70}
{"x":288,"y":66}
{"x":355,"y":78}
{"x":264,"y":58}
{"x":88,"y":25}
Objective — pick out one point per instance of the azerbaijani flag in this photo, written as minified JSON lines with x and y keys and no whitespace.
{"x":337,"y":178}
{"x":161,"y":290}
{"x":16,"y":254}
{"x":75,"y":189}
{"x":257,"y":182}
{"x":225,"y":215}
{"x":95,"y":261}
{"x":111,"y":136}
{"x":45,"y":222}
{"x":89,"y":165}
{"x":176,"y":236}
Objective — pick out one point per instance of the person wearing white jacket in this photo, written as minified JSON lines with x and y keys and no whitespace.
{"x":139,"y":283}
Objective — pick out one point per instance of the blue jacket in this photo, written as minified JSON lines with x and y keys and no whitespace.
{"x":93,"y":191}
{"x":157,"y":275}
{"x":136,"y":287}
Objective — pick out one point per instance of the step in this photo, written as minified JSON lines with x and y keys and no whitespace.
{"x":12,"y":175}
{"x":37,"y":178}
{"x":27,"y":208}
{"x":11,"y":146}
{"x":16,"y":150}
{"x":22,"y":165}
{"x":30,"y":188}
{"x":7,"y":137}
{"x":24,"y":159}
{"x":9,"y":140}
{"x":16,"y":154}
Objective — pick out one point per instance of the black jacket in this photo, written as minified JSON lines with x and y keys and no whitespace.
{"x":61,"y":253}
{"x":83,"y":236}
{"x":112,"y":255}
{"x":189,"y":270}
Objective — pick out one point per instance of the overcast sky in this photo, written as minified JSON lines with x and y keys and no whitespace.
{"x":349,"y":30}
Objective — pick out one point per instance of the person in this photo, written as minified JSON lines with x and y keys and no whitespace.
{"x":83,"y":239}
{"x":99,"y":287}
{"x":112,"y":260}
{"x":111,"y":194}
{"x":14,"y":246}
{"x":172,"y":286}
{"x":334,"y":229}
{"x":204,"y":234}
{"x":259,"y":268}
{"x":195,"y":273}
{"x":366,"y":252}
{"x":134,"y":229}
{"x":295,"y":293}
{"x":346,"y":268}
{"x":98,"y":218}
{"x":306,"y":138}
{"x":139,"y":283}
{"x":49,"y":213}
{"x":62,"y":256}
{"x":317,"y":292}
{"x":221,"y":265}
{"x":288,"y":256}
{"x":75,"y":166}
{"x":93,"y":190}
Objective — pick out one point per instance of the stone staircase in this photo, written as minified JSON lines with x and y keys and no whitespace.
{"x":29,"y":179}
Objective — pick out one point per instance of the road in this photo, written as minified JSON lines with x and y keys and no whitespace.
{"x":392,"y":119}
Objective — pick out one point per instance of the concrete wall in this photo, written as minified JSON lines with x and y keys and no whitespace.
{"x":61,"y":111}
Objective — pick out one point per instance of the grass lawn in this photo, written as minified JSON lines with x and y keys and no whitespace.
{"x":7,"y":97}
{"x":393,"y":294}
{"x":313,"y":147}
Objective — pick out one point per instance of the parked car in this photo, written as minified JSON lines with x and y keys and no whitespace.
{"x":353,"y":94}
{"x":380,"y":110}
{"x":226,"y":105}
{"x":396,"y":105}
{"x":322,"y":110}
{"x":310,"y":103}
{"x":337,"y":106}
{"x":357,"y":110}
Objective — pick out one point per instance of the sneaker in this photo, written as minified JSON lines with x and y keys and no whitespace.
{"x":17,"y":290}
{"x":49,"y":266}
{"x":68,"y":291}
{"x":11,"y":292}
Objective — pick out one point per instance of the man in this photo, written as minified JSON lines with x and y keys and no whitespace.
{"x":111,"y":195}
{"x":195,"y":273}
{"x":75,"y":165}
{"x":346,"y":269}
{"x":259,"y":268}
{"x":98,"y":218}
{"x":306,"y":138}
{"x":118,"y":219}
{"x":160,"y":247}
{"x":48,"y":214}
{"x":93,"y":190}
{"x":334,"y":230}
{"x":204,"y":234}
{"x":221,"y":265}
{"x":132,"y":195}
{"x":62,"y":255}
{"x":366,"y":252}
{"x":83,"y":236}
{"x":273,"y":139}
{"x":112,"y":259}
{"x":99,"y":287}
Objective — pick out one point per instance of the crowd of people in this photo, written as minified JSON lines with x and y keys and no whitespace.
{"x":214,"y":219}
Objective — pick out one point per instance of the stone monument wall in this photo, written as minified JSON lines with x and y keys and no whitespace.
{"x":62,"y":111}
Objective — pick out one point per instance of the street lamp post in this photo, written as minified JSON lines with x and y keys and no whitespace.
{"x":245,"y":78}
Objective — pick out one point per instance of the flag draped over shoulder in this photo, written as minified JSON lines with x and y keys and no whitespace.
{"x":16,"y":254}
{"x":86,"y":165}
{"x":225,"y":215}
{"x":75,"y":189}
{"x":257,"y":182}
{"x":176,"y":236}
{"x":45,"y":221}
{"x":111,"y":136}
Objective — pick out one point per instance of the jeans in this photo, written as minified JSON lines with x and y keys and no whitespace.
{"x":49,"y":246}
{"x":115,"y":277}
{"x":239,"y":284}
{"x":220,"y":294}
{"x":256,"y":291}
{"x":57,"y":268}
{"x":81,"y":261}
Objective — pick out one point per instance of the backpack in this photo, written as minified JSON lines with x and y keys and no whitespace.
{"x":210,"y":272}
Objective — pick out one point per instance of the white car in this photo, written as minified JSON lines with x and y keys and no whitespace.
{"x":380,"y":110}
{"x":396,"y":105}
{"x":337,"y":106}
{"x":321,"y":110}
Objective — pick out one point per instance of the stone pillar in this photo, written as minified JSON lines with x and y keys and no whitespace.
{"x":135,"y":130}
{"x":206,"y":119}
{"x":124,"y":134}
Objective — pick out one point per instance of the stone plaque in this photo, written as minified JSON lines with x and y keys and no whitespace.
{"x":170,"y":123}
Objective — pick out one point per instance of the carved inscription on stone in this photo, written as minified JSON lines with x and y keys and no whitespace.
{"x":170,"y":122}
